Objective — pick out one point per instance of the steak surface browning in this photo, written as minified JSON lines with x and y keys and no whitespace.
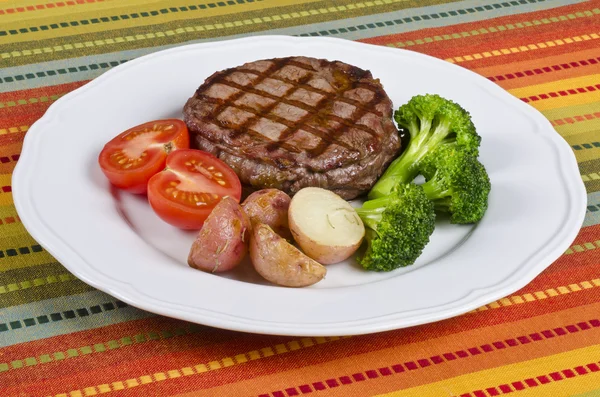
{"x":288,"y":123}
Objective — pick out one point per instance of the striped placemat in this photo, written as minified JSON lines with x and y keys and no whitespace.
{"x":60,"y":337}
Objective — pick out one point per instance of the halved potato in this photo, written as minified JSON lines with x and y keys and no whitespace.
{"x":269,"y":206}
{"x":222,"y":242}
{"x":280,"y":262}
{"x":325,"y":225}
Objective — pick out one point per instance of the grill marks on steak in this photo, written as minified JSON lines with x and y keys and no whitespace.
{"x":295,"y":122}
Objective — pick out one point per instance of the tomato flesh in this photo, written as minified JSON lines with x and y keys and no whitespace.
{"x":131,"y":158}
{"x":190,"y":186}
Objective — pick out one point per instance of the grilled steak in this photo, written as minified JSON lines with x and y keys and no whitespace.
{"x":288,"y":123}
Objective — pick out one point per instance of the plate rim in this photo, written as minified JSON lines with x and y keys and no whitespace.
{"x":128,"y":293}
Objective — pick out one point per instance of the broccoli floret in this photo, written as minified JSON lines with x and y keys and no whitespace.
{"x":431,"y":121}
{"x":397,"y":226}
{"x":457,"y":183}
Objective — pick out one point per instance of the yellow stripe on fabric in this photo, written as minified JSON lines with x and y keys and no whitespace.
{"x":506,"y":375}
{"x":561,"y":85}
{"x":29,"y":101}
{"x":14,"y":129}
{"x":594,"y":176}
{"x":594,"y":393}
{"x":205,"y":367}
{"x":266,"y":20}
{"x":135,"y":7}
{"x":590,"y":245}
{"x":495,"y":29}
{"x":36,"y":282}
{"x":12,"y":229}
{"x":5,"y":197}
{"x":548,"y":293}
{"x":524,"y":48}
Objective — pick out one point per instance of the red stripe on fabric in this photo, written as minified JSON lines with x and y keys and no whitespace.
{"x":412,"y":365}
{"x":9,"y":220}
{"x":572,"y":91}
{"x":12,"y":138}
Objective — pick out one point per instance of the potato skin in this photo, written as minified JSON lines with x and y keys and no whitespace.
{"x":222,"y":242}
{"x":280,"y":262}
{"x":269,"y":206}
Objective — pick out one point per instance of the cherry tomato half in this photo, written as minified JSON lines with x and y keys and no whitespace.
{"x":189,"y":188}
{"x":131,"y":158}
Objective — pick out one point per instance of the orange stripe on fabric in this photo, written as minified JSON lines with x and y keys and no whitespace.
{"x":41,"y":91}
{"x":497,"y":28}
{"x":418,"y":363}
{"x":9,"y":139}
{"x":9,"y":155}
{"x":194,"y":368}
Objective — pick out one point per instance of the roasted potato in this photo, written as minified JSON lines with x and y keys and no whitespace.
{"x":325,"y":225}
{"x":222,"y":242}
{"x":269,"y":206}
{"x":280,"y":262}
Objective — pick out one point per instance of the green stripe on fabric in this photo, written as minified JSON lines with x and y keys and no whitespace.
{"x":40,"y":320}
{"x":587,"y":145}
{"x":62,"y":71}
{"x":124,"y":17}
{"x":74,"y":313}
{"x":424,"y":17}
{"x":32,"y":284}
{"x":592,"y":215}
{"x":181,"y":31}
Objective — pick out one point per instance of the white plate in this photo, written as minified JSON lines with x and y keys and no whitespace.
{"x":114,"y":242}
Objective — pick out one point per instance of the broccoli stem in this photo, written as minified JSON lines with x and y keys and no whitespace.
{"x":405,"y":168}
{"x":370,"y":216}
{"x":434,"y":190}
